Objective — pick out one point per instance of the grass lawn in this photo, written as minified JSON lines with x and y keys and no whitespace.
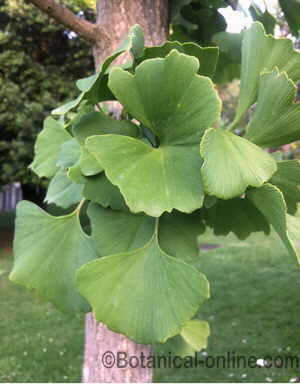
{"x":254,"y":310}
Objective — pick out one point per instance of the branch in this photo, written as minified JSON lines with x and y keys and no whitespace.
{"x":85,"y":29}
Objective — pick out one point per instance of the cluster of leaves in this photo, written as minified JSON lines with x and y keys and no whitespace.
{"x":39,"y":63}
{"x":155,"y":180}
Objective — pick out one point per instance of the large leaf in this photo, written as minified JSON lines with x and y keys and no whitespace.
{"x":261,"y":52}
{"x":144,"y":294}
{"x":47,"y":148}
{"x":94,"y":88}
{"x":154,"y":180}
{"x":62,"y":191}
{"x":291,"y":9}
{"x":151,"y":180}
{"x":48,"y":251}
{"x":270,"y":202}
{"x":231,"y":164}
{"x":276,"y":120}
{"x":238,"y":216}
{"x":287,"y":179}
{"x":97,"y":123}
{"x":100,"y":190}
{"x":207,"y":56}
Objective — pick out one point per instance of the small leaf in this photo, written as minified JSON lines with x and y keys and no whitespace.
{"x":48,"y":251}
{"x":47,"y":148}
{"x":62,"y":191}
{"x":287,"y":179}
{"x":276,"y":120}
{"x":267,"y":20}
{"x":291,"y":9}
{"x":126,"y":290}
{"x":231,"y":164}
{"x":261,"y":52}
{"x":270,"y":202}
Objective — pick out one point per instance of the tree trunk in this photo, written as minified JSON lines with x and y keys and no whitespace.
{"x":116,"y":17}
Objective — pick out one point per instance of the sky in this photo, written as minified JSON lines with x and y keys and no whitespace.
{"x":237,"y":20}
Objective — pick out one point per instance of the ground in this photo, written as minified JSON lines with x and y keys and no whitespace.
{"x":254,"y":310}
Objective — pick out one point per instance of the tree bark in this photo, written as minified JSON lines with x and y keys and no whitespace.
{"x":116,"y":17}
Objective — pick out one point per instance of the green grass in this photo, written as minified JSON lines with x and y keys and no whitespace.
{"x":254,"y":310}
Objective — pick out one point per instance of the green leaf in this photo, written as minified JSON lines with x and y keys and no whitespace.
{"x":231,"y":164}
{"x":270,"y":202}
{"x":291,"y":9}
{"x":74,"y":174}
{"x":178,"y":233}
{"x":134,"y":42}
{"x":47,"y":148}
{"x":147,"y":177}
{"x":62,"y":191}
{"x":267,"y":20}
{"x":101,"y":191}
{"x":193,"y":338}
{"x":181,"y":110}
{"x":287,"y":179}
{"x":207,"y":56}
{"x":261,"y":52}
{"x":69,"y":154}
{"x":276,"y":120}
{"x":126,"y":290}
{"x":48,"y":251}
{"x":116,"y":231}
{"x":97,"y":123}
{"x":238,"y":216}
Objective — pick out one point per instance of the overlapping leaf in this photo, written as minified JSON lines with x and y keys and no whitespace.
{"x":261,"y":52}
{"x":154,"y":180}
{"x":276,"y":120}
{"x":126,"y":290}
{"x":47,"y":148}
{"x":48,"y":251}
{"x":231,"y":164}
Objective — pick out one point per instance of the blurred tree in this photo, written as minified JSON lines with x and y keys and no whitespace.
{"x":39,"y":61}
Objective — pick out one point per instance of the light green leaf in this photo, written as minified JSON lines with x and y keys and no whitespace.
{"x":126,"y":290}
{"x":47,"y":147}
{"x":276,"y":120}
{"x":69,"y":154}
{"x":116,"y":231}
{"x":100,"y":190}
{"x":270,"y":202}
{"x":207,"y":56}
{"x":287,"y":179}
{"x":74,"y":174}
{"x":151,"y":180}
{"x":180,"y":110}
{"x":238,"y":216}
{"x":192,"y":339}
{"x":62,"y":191}
{"x":178,"y":233}
{"x":231,"y":164}
{"x":134,"y":41}
{"x":261,"y":52}
{"x":48,"y":251}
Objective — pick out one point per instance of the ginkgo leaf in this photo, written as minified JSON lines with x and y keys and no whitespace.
{"x":207,"y":56}
{"x":97,"y":123}
{"x":276,"y":120}
{"x":192,"y":338}
{"x":270,"y":202}
{"x":154,"y":180}
{"x":261,"y":52}
{"x":48,"y":251}
{"x":101,"y":191}
{"x":94,"y":88}
{"x":47,"y":148}
{"x":178,"y":233}
{"x":238,"y":216}
{"x":69,"y":154}
{"x":180,"y":110}
{"x":151,"y":180}
{"x":62,"y":191}
{"x":231,"y":164}
{"x":287,"y":179}
{"x":127,"y":289}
